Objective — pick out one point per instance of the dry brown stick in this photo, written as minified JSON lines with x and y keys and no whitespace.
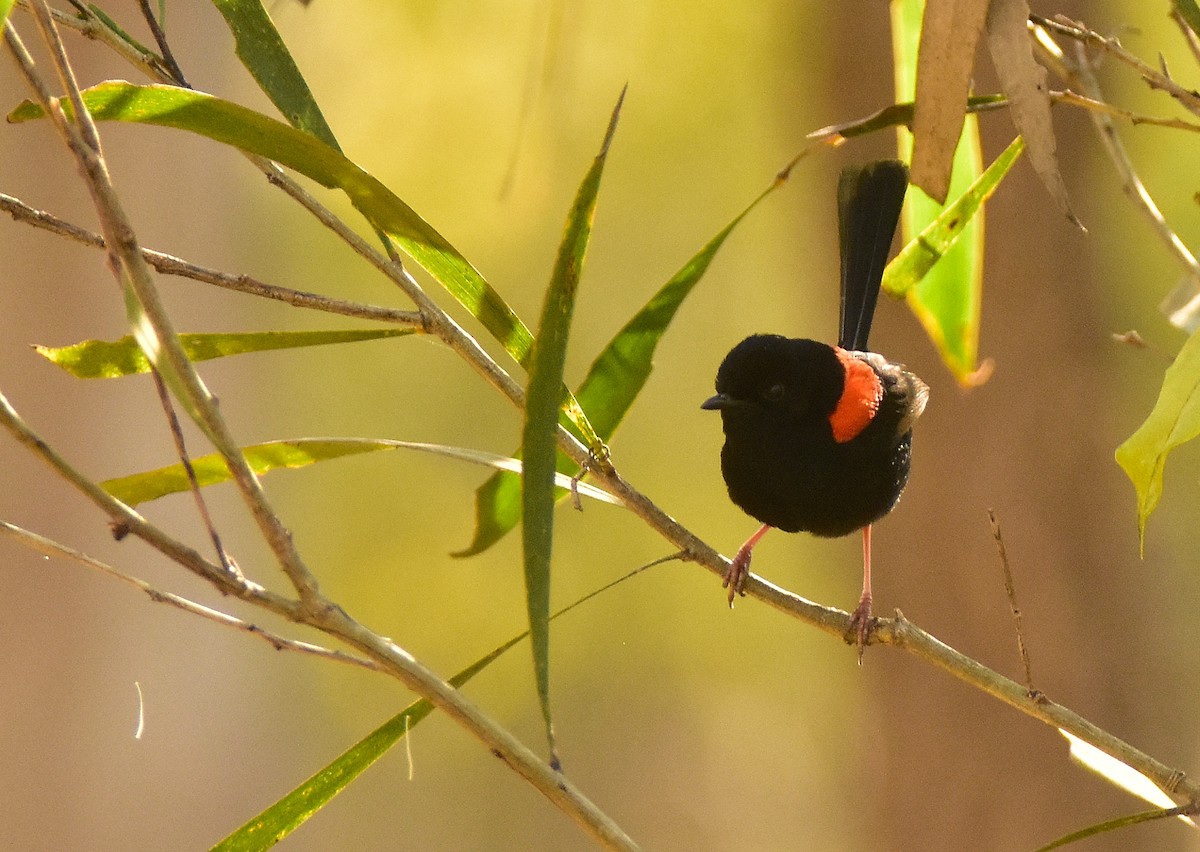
{"x":1154,"y":78}
{"x":1078,"y":73}
{"x":1010,"y":589}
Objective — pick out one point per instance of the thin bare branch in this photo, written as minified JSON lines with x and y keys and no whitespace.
{"x":1077,"y":72}
{"x":1010,"y":590}
{"x":160,"y":38}
{"x":50,"y":547}
{"x":897,"y":631}
{"x":132,"y":271}
{"x":171,"y":265}
{"x":1072,"y":99}
{"x":1189,"y":36}
{"x":1154,"y":78}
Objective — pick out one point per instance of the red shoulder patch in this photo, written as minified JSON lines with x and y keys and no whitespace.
{"x":860,"y":398}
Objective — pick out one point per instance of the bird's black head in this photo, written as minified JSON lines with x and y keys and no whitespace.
{"x":769,"y":372}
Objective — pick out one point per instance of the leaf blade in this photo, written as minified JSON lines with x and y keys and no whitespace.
{"x":949,"y":32}
{"x":543,"y":398}
{"x":103,"y":359}
{"x":1023,"y":80}
{"x":263,"y":53}
{"x":947,"y":301}
{"x":919,"y":256}
{"x":294,"y":809}
{"x":266,"y":457}
{"x":612,"y":384}
{"x":231,"y":124}
{"x":1174,"y":420}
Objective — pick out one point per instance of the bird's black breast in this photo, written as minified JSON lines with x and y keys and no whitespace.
{"x":782,"y":465}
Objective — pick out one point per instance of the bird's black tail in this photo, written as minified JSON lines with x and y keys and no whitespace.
{"x":869,"y":202}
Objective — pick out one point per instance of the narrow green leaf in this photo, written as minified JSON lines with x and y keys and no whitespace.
{"x":919,"y":256}
{"x":5,"y":8}
{"x":294,"y":809}
{"x":103,"y":359}
{"x":266,"y":57}
{"x":898,"y":115}
{"x":301,"y":452}
{"x":231,"y":124}
{"x":1113,"y":825}
{"x":947,"y":300}
{"x":1174,"y":420}
{"x":612,"y":384}
{"x":542,"y":400}
{"x":1190,"y":12}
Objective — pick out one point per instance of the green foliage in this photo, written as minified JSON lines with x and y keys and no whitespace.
{"x":266,"y":57}
{"x":917,"y":258}
{"x":103,"y":359}
{"x":612,"y":384}
{"x":1174,"y":420}
{"x":542,"y":400}
{"x":250,"y":131}
{"x":948,"y":297}
{"x":296,"y":453}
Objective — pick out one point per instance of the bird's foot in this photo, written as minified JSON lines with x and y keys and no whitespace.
{"x":738,"y":571}
{"x":861,"y":623}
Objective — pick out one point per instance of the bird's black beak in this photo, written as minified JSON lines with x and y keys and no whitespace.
{"x":716,"y":403}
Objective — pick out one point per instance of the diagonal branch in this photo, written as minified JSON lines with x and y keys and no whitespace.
{"x":171,"y":265}
{"x":131,"y":270}
{"x":50,"y":547}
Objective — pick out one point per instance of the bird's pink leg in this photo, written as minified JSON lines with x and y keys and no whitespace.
{"x":860,"y":619}
{"x":739,"y":568}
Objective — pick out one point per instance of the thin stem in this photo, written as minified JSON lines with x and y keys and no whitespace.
{"x":171,"y":265}
{"x":334,"y":621}
{"x":132,"y":271}
{"x":1153,"y":77}
{"x":164,"y":398}
{"x":1078,"y":73}
{"x":50,"y":547}
{"x":160,"y":38}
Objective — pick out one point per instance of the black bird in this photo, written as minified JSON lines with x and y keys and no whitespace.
{"x":818,"y":438}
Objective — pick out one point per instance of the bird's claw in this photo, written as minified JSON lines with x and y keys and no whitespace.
{"x":736,"y":574}
{"x":861,"y":623}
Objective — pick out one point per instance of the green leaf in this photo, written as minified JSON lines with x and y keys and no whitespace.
{"x":1174,"y":420}
{"x":1114,"y":825}
{"x":916,"y":259}
{"x":5,"y":8}
{"x":612,"y":384}
{"x":301,"y":452}
{"x":947,"y":299}
{"x":897,"y":115}
{"x":294,"y":809}
{"x":102,"y":359}
{"x":542,"y":400}
{"x":231,"y":124}
{"x":1190,"y":12}
{"x":266,"y":57}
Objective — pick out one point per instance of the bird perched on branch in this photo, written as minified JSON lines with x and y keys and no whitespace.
{"x":818,"y":438}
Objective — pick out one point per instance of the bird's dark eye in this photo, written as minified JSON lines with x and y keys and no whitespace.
{"x":774,"y":393}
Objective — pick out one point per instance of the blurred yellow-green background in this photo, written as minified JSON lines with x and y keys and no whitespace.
{"x":693,"y":726}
